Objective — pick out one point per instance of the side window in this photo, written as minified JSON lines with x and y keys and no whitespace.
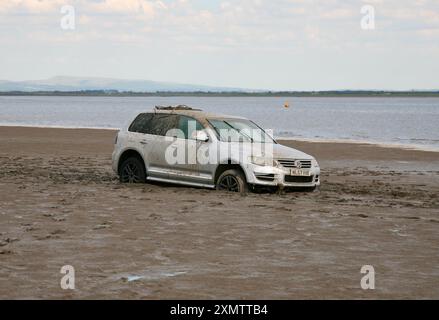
{"x":142,"y":123}
{"x":162,"y":123}
{"x":154,"y":123}
{"x":188,"y":126}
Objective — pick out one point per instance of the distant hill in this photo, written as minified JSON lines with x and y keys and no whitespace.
{"x":72,"y":84}
{"x":75,"y":86}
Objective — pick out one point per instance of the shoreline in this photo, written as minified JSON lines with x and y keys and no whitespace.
{"x":230,"y":94}
{"x":388,"y":145}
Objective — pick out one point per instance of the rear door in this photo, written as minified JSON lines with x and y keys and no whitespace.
{"x":161,"y":124}
{"x":140,"y":137}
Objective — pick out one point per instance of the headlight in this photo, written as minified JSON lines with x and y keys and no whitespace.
{"x":315,"y":163}
{"x":262,"y":161}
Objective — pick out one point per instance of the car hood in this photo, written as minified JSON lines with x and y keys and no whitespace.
{"x":284,"y":152}
{"x":277,"y":150}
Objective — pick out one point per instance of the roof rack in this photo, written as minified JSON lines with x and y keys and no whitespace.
{"x":178,"y":107}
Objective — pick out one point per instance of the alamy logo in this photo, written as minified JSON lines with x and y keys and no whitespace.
{"x":194,"y":150}
{"x":68,"y":281}
{"x":68,"y":19}
{"x":368,"y":20}
{"x":368,"y":280}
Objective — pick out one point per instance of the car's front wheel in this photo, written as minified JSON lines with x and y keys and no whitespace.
{"x":132,"y":170}
{"x":232,"y":180}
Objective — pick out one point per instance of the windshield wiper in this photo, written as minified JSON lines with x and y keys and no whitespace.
{"x":243,"y":134}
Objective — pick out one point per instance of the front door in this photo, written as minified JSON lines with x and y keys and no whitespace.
{"x":183,"y":152}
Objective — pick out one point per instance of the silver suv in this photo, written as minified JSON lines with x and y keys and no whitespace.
{"x":187,"y":146}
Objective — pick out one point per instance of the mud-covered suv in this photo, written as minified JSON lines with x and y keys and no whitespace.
{"x":187,"y":146}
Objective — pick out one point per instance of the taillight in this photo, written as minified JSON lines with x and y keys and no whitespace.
{"x":115,"y":139}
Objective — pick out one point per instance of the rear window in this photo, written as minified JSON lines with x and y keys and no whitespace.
{"x":141,"y":123}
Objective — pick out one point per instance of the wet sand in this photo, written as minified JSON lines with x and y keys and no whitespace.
{"x":61,"y":204}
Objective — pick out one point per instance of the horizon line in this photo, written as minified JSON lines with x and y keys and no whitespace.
{"x":232,"y":88}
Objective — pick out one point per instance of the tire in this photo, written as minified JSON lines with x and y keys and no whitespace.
{"x":232,"y":180}
{"x":132,"y":170}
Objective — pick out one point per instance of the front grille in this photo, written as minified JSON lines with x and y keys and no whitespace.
{"x":299,"y":179}
{"x":291,"y":163}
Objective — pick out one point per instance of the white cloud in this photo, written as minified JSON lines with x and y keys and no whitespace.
{"x":124,"y":6}
{"x":218,"y":29}
{"x":104,"y":6}
{"x":30,"y":6}
{"x":232,"y":22}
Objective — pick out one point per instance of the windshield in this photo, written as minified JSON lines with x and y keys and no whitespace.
{"x":239,"y":130}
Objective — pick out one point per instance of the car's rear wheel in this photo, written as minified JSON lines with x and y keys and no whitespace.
{"x":132,"y":170}
{"x":232,"y":180}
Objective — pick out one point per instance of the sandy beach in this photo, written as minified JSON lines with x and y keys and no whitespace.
{"x":61,"y":204}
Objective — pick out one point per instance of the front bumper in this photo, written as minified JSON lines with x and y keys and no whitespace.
{"x":280,"y":176}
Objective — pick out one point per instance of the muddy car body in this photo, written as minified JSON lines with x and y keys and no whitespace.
{"x":148,"y":147}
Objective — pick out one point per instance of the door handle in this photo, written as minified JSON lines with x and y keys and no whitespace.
{"x":143,"y":142}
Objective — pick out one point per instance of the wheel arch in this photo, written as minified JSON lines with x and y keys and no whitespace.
{"x":226,"y":166}
{"x":128,"y":153}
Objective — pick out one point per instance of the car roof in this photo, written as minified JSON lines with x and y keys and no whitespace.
{"x":197,"y":114}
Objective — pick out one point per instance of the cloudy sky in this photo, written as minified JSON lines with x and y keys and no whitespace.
{"x":277,"y":44}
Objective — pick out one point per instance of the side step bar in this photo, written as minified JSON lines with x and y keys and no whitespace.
{"x":185,"y":183}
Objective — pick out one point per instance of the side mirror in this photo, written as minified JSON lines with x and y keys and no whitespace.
{"x":200,"y":135}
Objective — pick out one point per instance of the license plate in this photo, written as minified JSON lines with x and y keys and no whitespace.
{"x":299,"y":172}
